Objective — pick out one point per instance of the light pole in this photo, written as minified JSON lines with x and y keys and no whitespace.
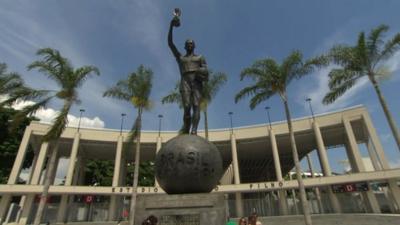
{"x":269,"y":117}
{"x":311,"y":109}
{"x":230,"y":117}
{"x":80,"y":117}
{"x":160,"y":116}
{"x":122,"y":122}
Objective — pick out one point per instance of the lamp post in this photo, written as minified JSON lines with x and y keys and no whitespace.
{"x":80,"y":117}
{"x":230,"y":117}
{"x":160,"y":116}
{"x":269,"y":117}
{"x":311,"y":109}
{"x":122,"y":122}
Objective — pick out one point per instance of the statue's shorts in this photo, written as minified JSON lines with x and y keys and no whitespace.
{"x":191,"y":88}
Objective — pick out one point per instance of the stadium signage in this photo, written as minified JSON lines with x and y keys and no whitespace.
{"x":266,"y":185}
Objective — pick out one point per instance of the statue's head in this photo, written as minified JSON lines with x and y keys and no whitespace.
{"x":189,"y":45}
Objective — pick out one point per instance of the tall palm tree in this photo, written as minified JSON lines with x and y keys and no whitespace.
{"x":271,"y":78}
{"x":135,"y":89}
{"x":366,"y":58}
{"x":210,"y":90}
{"x":58,"y":69}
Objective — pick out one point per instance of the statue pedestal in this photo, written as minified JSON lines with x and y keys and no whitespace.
{"x":182,"y":209}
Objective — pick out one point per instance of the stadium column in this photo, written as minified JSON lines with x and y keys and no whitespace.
{"x":378,"y":157}
{"x":326,"y":169}
{"x":283,"y":208}
{"x":294,"y":198}
{"x":12,"y":179}
{"x":158,"y":147}
{"x":37,"y":172}
{"x":357,"y":164}
{"x":236,"y":176}
{"x":23,"y":197}
{"x":317,"y":192}
{"x":116,"y":179}
{"x":61,"y":215}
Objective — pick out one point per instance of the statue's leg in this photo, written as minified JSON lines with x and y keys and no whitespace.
{"x":185,"y":94}
{"x":196,"y":108}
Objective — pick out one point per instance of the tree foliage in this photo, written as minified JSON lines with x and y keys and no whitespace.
{"x":101,"y":172}
{"x":69,"y":79}
{"x":12,"y":90}
{"x":9,"y":143}
{"x":136,"y":90}
{"x":270,"y":78}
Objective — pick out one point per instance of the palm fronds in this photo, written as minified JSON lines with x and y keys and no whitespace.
{"x":365,"y":58}
{"x":59,"y":69}
{"x":270,"y":77}
{"x":174,"y":96}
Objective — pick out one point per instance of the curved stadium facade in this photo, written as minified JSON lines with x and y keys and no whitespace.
{"x":257,"y":161}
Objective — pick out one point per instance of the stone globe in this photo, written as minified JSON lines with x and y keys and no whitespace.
{"x":188,"y":164}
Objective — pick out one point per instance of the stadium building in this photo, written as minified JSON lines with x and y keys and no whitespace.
{"x":257,"y":161}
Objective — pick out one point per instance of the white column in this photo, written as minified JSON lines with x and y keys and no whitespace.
{"x":296,"y":208}
{"x":358,"y":165}
{"x":326,"y":169}
{"x":158,"y":147}
{"x":23,"y":197}
{"x":75,"y":181}
{"x":61,"y":216}
{"x":380,"y":154}
{"x":236,"y":176}
{"x":278,"y":172}
{"x":375,"y":142}
{"x":372,"y":155}
{"x":116,"y":178}
{"x":316,"y":189}
{"x":82,"y":165}
{"x":19,"y":159}
{"x":16,"y":169}
{"x":37,"y":172}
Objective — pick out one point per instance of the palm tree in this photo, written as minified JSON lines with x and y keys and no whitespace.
{"x":366,"y":58}
{"x":269,"y":79}
{"x":58,"y":69}
{"x":210,"y":90}
{"x":136,"y":90}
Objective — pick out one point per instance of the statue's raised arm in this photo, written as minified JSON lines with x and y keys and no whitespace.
{"x":174,"y":23}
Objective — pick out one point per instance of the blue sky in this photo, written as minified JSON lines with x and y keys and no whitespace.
{"x":118,"y":36}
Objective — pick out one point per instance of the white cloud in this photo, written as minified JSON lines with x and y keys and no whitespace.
{"x":47,"y":115}
{"x":386,"y":137}
{"x":393,"y":65}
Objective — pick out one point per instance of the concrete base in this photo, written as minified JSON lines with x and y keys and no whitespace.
{"x":193,"y":209}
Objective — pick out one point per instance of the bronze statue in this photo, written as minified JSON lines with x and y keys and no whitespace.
{"x":193,"y":69}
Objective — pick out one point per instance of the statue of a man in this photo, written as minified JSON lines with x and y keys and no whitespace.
{"x":193,"y":69}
